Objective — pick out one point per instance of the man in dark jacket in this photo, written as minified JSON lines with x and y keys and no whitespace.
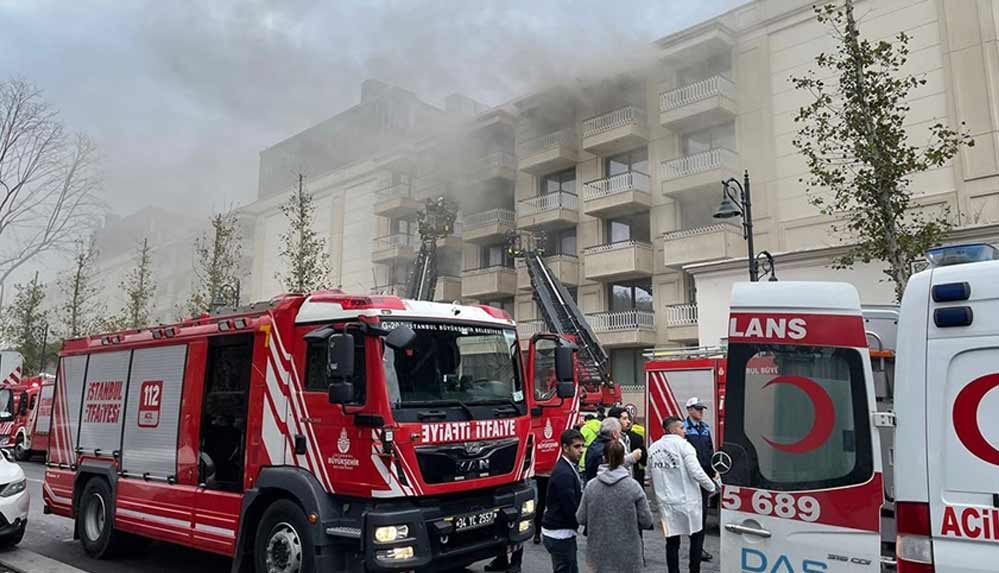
{"x":698,"y":433}
{"x":565,"y":489}
{"x":610,"y":430}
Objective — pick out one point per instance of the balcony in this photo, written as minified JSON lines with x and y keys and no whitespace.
{"x":430,"y":187}
{"x":528,"y":328}
{"x":703,"y":244}
{"x":563,"y":267}
{"x":622,"y":260}
{"x":487,"y":226}
{"x":548,"y":153}
{"x":622,"y":194}
{"x":553,"y":209}
{"x":626,"y":328}
{"x":495,"y":165}
{"x":701,"y":170}
{"x":617,"y":131}
{"x":698,"y":105}
{"x":394,"y":289}
{"x":681,"y":323}
{"x":448,"y":289}
{"x":394,"y":248}
{"x":489,"y":282}
{"x":396,"y":201}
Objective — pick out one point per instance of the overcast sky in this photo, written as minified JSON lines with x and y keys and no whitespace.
{"x":182,"y":98}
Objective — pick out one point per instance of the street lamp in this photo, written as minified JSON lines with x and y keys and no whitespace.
{"x":737,"y":201}
{"x":220,"y":300}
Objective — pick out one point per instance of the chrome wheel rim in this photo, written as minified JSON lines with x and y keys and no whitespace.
{"x":284,"y":550}
{"x":94,"y":518}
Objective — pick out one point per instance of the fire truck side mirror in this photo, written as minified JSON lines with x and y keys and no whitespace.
{"x":564,"y":371}
{"x":340,"y":368}
{"x":400,"y":338}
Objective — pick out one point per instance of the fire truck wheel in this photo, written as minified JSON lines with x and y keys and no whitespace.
{"x":94,"y":520}
{"x":283,"y":543}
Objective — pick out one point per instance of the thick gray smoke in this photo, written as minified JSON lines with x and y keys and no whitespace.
{"x":182,"y":97}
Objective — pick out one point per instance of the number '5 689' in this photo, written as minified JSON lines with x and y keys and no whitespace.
{"x":783,"y":505}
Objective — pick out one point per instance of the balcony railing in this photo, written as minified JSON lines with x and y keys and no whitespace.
{"x":496,"y":160}
{"x":686,"y":95}
{"x":681,"y":314}
{"x":397,"y":289}
{"x":617,"y":321}
{"x":489,"y":269}
{"x":397,"y":191}
{"x":597,"y":249}
{"x":696,"y":231}
{"x":546,"y":142}
{"x":491,"y":217}
{"x":528,"y":328}
{"x":629,"y":115}
{"x":697,"y":163}
{"x":548,"y":202}
{"x":620,"y":183}
{"x":395,"y":240}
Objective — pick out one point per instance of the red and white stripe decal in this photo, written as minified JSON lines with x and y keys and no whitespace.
{"x":13,"y":378}
{"x":661,"y":398}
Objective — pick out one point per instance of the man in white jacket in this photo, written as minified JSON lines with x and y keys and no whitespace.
{"x":677,"y":479}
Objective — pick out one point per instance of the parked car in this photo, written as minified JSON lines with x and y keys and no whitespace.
{"x":14,"y":501}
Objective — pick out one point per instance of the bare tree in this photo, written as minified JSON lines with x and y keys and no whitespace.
{"x":217,"y":263}
{"x":82,"y":307}
{"x":48,"y":179}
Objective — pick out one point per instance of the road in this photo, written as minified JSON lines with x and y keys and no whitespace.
{"x":52,"y":536}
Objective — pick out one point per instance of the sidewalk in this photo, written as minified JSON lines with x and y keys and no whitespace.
{"x":24,"y":561}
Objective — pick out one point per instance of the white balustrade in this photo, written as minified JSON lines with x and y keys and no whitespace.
{"x":630,"y":115}
{"x":397,"y":191}
{"x":395,"y":240}
{"x":620,"y":183}
{"x":697,"y":163}
{"x":688,"y":94}
{"x":622,"y":320}
{"x":681,"y":314}
{"x":698,"y":231}
{"x":547,"y":202}
{"x":618,"y":245}
{"x":546,"y":142}
{"x":491,"y":217}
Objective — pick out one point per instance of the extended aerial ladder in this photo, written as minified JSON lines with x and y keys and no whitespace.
{"x":563,"y":317}
{"x":435,"y":221}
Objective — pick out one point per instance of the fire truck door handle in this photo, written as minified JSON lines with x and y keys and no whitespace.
{"x":300,"y":448}
{"x":736,"y":528}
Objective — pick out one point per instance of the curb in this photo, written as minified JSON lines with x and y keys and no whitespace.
{"x":26,"y":561}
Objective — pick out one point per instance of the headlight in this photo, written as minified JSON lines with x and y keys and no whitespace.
{"x":396,"y":554}
{"x":524,"y":526}
{"x":13,"y":488}
{"x":527,"y":508}
{"x":391,"y":533}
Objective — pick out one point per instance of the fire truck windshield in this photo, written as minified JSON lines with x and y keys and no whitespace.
{"x":454,"y":364}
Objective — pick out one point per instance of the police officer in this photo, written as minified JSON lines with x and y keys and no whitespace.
{"x":698,"y":433}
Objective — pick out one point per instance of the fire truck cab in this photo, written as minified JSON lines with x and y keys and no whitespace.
{"x":313,"y":433}
{"x":22,"y":407}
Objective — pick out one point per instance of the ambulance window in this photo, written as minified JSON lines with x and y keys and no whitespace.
{"x":798,"y":413}
{"x":315,"y":368}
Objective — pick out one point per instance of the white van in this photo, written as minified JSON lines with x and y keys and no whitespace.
{"x":806,"y":480}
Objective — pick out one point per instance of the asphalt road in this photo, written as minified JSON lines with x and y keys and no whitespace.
{"x":52,"y":536}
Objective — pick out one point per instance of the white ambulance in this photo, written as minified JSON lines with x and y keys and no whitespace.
{"x":802,"y":460}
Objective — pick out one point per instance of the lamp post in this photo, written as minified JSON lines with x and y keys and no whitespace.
{"x":220,"y":300}
{"x":737,"y":201}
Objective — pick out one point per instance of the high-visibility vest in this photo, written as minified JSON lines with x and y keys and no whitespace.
{"x":590,"y":430}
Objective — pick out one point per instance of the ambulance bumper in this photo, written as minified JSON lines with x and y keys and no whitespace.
{"x":434,"y":535}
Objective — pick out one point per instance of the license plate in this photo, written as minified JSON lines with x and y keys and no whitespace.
{"x":475,"y":520}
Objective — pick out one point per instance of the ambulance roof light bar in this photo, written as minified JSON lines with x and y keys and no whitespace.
{"x":961,"y":254}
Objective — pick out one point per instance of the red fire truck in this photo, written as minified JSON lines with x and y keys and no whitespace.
{"x":321,"y":432}
{"x":672,"y":376}
{"x":24,"y":407}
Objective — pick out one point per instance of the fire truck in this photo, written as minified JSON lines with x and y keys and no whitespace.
{"x":812,"y":437}
{"x":24,"y":407}
{"x":321,"y":432}
{"x":674,"y":375}
{"x":11,"y":362}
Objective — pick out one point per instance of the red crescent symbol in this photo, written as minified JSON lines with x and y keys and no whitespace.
{"x":825,"y":415}
{"x":966,"y":405}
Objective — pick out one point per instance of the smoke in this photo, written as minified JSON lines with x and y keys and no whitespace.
{"x":182,"y":97}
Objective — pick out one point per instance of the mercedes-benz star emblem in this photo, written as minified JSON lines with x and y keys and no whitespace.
{"x":721,"y":462}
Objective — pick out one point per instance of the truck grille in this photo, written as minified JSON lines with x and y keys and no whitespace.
{"x":471,"y":460}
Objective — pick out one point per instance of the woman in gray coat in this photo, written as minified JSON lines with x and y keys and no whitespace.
{"x":613,"y":509}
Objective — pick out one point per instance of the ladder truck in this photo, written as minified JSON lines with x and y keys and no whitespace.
{"x":435,"y":221}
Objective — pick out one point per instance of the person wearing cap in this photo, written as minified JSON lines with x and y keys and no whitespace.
{"x":698,"y":433}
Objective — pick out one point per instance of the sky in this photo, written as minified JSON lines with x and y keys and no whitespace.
{"x":181,"y":97}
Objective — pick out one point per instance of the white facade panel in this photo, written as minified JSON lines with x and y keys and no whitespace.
{"x":104,"y":402}
{"x":152,"y":417}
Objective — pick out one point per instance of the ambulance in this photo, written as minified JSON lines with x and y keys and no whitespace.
{"x":320,"y":432}
{"x":802,"y":463}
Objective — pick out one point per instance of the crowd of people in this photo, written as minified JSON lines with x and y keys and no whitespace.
{"x":597,"y":489}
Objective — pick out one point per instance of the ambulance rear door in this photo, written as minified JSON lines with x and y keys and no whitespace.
{"x":961,"y":425}
{"x":800,"y":463}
